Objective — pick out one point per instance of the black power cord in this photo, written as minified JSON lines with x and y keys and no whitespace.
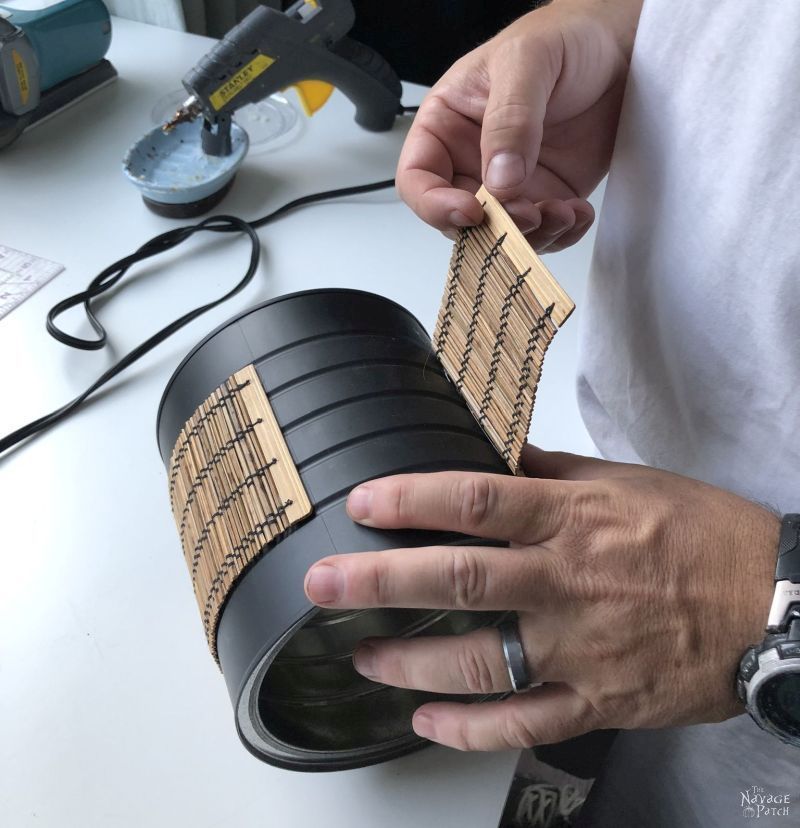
{"x":160,"y":244}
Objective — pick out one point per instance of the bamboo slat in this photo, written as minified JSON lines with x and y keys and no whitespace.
{"x":500,"y":311}
{"x":234,"y":489}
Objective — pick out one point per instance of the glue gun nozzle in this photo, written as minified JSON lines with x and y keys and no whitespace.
{"x":190,"y":110}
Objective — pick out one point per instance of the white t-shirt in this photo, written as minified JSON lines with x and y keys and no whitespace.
{"x":691,"y":351}
{"x":691,"y":340}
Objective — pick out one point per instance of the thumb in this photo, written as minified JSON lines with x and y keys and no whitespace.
{"x":511,"y":135}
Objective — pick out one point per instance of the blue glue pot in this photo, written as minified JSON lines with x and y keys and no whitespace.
{"x":175,"y":177}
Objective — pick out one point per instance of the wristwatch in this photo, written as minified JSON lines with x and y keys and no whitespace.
{"x":769,"y":673}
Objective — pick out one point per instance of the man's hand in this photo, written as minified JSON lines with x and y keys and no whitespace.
{"x":533,"y":114}
{"x":637,"y":592}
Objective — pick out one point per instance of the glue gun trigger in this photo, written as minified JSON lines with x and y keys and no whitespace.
{"x":313,"y":95}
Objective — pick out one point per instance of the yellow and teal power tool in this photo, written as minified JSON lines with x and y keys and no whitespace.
{"x":50,"y":56}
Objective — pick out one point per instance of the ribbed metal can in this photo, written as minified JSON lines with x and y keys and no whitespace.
{"x":358,"y":394}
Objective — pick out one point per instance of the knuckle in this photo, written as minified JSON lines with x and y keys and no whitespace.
{"x":606,"y":652}
{"x":475,"y":499}
{"x":392,"y":667}
{"x":592,"y":586}
{"x":590,"y":504}
{"x":649,"y":531}
{"x":589,"y":513}
{"x":474,"y":671}
{"x":516,"y":732}
{"x":510,"y":123}
{"x":463,"y":737}
{"x":467,"y":579}
{"x":381,"y":583}
{"x":588,"y":717}
{"x":546,"y":658}
{"x":509,"y":114}
{"x":399,"y":502}
{"x":435,"y":103}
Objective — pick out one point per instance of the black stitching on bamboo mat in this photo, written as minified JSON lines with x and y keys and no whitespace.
{"x":220,"y":511}
{"x":452,"y":287}
{"x":207,"y":469}
{"x":194,"y":431}
{"x":525,"y":374}
{"x":505,"y":314}
{"x":476,"y":308}
{"x":236,"y":555}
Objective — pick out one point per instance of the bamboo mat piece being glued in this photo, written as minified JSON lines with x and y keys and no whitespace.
{"x":500,"y":311}
{"x":233,"y":489}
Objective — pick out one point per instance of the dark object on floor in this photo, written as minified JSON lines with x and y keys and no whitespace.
{"x":541,"y":796}
{"x":582,"y":756}
{"x":552,"y":781}
{"x":701,"y":776}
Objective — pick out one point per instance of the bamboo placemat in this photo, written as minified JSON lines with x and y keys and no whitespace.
{"x":500,"y":311}
{"x":233,"y":488}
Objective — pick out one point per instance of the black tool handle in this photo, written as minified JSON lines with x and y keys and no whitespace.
{"x":375,"y":110}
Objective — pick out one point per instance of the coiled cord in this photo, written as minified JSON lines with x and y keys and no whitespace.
{"x":156,"y":246}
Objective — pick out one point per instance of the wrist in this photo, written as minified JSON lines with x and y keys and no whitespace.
{"x":768,"y":679}
{"x":757,"y":573}
{"x":619,"y":17}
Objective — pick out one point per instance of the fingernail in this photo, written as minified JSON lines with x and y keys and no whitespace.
{"x":423,"y":725}
{"x":554,"y":224}
{"x":450,"y":234}
{"x":359,"y":503}
{"x":518,"y":206}
{"x":505,"y":170}
{"x":524,"y":213}
{"x":325,"y":584}
{"x":459,"y":219}
{"x":364,"y":660}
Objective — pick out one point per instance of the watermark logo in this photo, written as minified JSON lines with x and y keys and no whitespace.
{"x":758,"y":802}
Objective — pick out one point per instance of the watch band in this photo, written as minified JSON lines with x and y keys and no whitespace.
{"x":768,"y":680}
{"x":788,"y":566}
{"x":787,"y":573}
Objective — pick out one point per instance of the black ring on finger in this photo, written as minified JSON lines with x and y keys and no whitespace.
{"x":514,"y":655}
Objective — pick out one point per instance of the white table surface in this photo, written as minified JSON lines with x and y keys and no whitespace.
{"x":112,"y":712}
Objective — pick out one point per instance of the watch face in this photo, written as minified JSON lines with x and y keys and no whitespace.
{"x":779,"y":702}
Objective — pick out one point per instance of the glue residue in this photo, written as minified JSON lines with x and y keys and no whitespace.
{"x":270,"y":124}
{"x":172,"y":166}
